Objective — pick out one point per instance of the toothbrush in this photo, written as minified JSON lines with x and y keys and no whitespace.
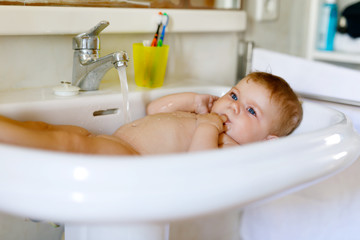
{"x":159,"y":22}
{"x":165,"y":22}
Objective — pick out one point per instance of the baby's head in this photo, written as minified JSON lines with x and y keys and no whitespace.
{"x":290,"y":111}
{"x":261,"y":106}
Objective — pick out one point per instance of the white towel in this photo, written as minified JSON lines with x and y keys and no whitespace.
{"x":310,"y":77}
{"x":345,"y":43}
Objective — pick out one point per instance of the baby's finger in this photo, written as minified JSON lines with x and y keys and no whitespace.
{"x":212,"y":99}
{"x":223,"y":118}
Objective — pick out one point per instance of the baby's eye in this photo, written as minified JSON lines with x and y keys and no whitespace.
{"x":251,"y":111}
{"x":233,"y":96}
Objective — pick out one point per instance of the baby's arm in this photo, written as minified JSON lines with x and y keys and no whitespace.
{"x":187,"y":102}
{"x":208,"y":128}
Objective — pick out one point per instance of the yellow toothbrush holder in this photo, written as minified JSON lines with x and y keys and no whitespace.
{"x":150,"y":65}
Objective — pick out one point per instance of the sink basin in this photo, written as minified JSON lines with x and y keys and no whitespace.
{"x":117,"y":194}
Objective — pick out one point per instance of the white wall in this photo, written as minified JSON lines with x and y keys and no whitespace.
{"x":41,"y":61}
{"x":289,"y":32}
{"x":286,"y":34}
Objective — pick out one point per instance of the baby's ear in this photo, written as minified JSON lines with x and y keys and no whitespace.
{"x":271,"y":137}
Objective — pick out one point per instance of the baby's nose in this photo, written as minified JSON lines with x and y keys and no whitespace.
{"x":236,"y":108}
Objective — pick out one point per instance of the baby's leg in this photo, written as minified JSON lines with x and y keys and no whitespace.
{"x":60,"y":138}
{"x":35,"y":125}
{"x":110,"y":145}
{"x":19,"y":133}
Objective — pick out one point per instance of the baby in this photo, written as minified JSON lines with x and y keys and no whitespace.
{"x":260,"y":107}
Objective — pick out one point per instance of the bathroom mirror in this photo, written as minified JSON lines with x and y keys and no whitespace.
{"x":179,"y":4}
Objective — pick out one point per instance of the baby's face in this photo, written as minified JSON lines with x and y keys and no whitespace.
{"x":249,"y":111}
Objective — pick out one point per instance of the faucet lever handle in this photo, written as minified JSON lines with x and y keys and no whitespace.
{"x":95,"y":31}
{"x":90,"y":40}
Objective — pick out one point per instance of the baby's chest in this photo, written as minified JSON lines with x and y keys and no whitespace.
{"x":174,"y":129}
{"x":156,"y":134}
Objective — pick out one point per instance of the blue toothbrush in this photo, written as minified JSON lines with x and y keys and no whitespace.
{"x":165,"y":23}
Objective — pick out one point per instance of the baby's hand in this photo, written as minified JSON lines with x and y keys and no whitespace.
{"x":212,"y":119}
{"x":226,"y":141}
{"x":204,"y":102}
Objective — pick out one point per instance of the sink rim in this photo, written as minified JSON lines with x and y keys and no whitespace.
{"x":92,"y":196}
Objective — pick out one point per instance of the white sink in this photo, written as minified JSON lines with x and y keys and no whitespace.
{"x":106,"y":195}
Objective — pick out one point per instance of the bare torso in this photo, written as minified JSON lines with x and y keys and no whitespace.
{"x":164,"y":133}
{"x":159,"y":133}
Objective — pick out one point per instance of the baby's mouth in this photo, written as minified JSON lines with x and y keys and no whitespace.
{"x":227,"y":120}
{"x":227,"y":123}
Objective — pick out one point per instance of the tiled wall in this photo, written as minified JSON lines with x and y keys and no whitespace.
{"x":43,"y":61}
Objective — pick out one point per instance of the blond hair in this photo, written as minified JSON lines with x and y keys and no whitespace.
{"x":290,"y":109}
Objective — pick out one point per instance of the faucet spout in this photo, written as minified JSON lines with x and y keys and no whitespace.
{"x":88,"y":67}
{"x":88,"y":70}
{"x":120,"y":59}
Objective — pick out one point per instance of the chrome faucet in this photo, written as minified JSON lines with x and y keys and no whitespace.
{"x":88,"y":68}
